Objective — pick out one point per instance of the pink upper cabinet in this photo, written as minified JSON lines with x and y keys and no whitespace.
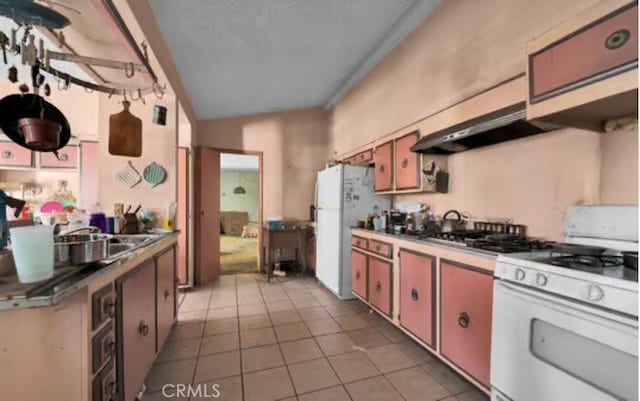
{"x":68,"y":158}
{"x":466,"y":295}
{"x":14,"y":155}
{"x":384,"y":167}
{"x":407,"y":163}
{"x":607,"y":44}
{"x":417,"y":294}
{"x":380,"y":280}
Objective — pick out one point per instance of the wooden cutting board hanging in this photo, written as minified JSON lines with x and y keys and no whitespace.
{"x":125,"y":133}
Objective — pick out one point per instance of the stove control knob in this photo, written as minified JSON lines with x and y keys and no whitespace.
{"x":520,"y":274}
{"x":595,"y":293}
{"x":541,"y":279}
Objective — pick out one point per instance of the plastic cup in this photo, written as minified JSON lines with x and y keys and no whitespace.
{"x":32,"y":249}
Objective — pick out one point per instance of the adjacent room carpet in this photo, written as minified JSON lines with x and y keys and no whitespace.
{"x":238,"y":255}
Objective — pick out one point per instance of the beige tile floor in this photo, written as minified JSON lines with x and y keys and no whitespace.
{"x":293,"y":340}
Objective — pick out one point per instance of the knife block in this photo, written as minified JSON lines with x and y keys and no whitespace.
{"x":130,"y":224}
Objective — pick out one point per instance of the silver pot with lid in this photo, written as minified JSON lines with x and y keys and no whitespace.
{"x":76,"y":249}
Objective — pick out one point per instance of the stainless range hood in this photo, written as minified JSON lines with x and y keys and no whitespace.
{"x":499,"y":126}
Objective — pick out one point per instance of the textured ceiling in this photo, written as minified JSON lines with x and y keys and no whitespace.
{"x":238,"y":57}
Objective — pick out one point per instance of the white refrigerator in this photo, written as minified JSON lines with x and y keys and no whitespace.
{"x":344,"y":195}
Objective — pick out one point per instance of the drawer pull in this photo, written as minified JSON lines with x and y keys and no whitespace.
{"x":405,"y":162}
{"x":7,"y":154}
{"x":617,"y":39}
{"x":109,"y":307}
{"x":166,"y":294}
{"x":381,"y":168}
{"x":63,"y":157}
{"x":358,"y":275}
{"x":464,"y":320}
{"x":378,"y":247}
{"x":378,"y":286}
{"x":143,"y":328}
{"x":414,"y":294}
{"x":358,"y":242}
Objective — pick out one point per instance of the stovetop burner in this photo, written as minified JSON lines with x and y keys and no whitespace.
{"x":590,"y":263}
{"x":490,"y":241}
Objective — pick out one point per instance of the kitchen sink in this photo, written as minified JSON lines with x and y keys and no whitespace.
{"x":118,"y":248}
{"x":135,"y":239}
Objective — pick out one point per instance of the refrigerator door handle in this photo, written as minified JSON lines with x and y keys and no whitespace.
{"x":315,"y":210}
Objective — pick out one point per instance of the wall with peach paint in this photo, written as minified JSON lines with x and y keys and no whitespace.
{"x":619,"y":166}
{"x":159,"y":144}
{"x":462,"y":48}
{"x":294,"y":146}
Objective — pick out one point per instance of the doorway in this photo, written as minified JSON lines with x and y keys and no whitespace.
{"x":239,"y":212}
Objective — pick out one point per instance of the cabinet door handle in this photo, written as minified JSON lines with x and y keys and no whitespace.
{"x":109,"y":389}
{"x":414,"y":294}
{"x":110,"y":347}
{"x":405,"y":162}
{"x":381,"y":168}
{"x":64,"y":157}
{"x":358,"y":275}
{"x":143,"y":328}
{"x":617,"y":39}
{"x":378,"y":247}
{"x":7,"y":154}
{"x":109,"y":307}
{"x":166,"y":293}
{"x":357,"y":242}
{"x":464,"y":320}
{"x":378,"y":286}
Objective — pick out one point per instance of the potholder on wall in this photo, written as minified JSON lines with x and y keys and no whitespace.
{"x":154,"y":174}
{"x":128,"y":176}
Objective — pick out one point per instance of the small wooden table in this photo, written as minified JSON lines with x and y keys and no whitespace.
{"x":288,"y":238}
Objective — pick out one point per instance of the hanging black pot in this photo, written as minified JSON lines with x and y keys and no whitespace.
{"x":30,"y":13}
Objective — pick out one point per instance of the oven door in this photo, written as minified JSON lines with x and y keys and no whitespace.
{"x":548,"y":348}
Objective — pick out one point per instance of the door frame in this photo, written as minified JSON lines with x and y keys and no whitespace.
{"x":197,"y":239}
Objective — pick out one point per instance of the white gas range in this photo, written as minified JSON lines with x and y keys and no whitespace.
{"x":565,"y":321}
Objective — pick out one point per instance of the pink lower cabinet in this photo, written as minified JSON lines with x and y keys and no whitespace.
{"x":466,"y":295}
{"x":417,"y":294}
{"x":380,"y":279}
{"x":136,"y":329}
{"x":14,"y":155}
{"x":67,"y":158}
{"x":165,"y":294}
{"x":359,"y":273}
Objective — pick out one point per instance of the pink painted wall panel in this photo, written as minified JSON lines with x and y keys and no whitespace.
{"x":182,"y":215}
{"x":88,"y":174}
{"x":465,"y":319}
{"x":417,"y":295}
{"x":380,"y":284}
{"x":14,"y":155}
{"x":359,"y":273}
{"x":68,"y":158}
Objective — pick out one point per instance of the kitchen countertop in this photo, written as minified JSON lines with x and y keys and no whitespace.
{"x":66,"y":280}
{"x":432,"y":241}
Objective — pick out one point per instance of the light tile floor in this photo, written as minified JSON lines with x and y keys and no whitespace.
{"x":293,"y":340}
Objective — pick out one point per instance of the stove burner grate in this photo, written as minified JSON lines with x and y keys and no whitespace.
{"x":586,"y":262}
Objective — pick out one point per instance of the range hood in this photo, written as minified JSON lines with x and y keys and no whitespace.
{"x":499,"y":126}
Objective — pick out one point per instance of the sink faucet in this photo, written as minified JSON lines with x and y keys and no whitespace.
{"x":17,"y":205}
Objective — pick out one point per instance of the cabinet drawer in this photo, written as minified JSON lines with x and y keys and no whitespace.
{"x":359,"y":242}
{"x":14,"y":155}
{"x":602,"y":49}
{"x":359,"y":273}
{"x":417,"y":295}
{"x":165,"y":294}
{"x":466,"y":296}
{"x":379,"y":286}
{"x":384,"y":167}
{"x":407,"y":163}
{"x":104,"y":384}
{"x":380,"y":248}
{"x":103,"y":346}
{"x":68,"y":158}
{"x":364,"y":157}
{"x":103,"y":305}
